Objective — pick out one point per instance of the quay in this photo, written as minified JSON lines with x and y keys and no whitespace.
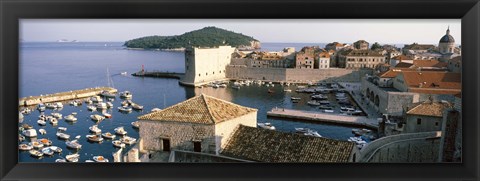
{"x":159,"y":74}
{"x":63,"y":96}
{"x":324,"y":117}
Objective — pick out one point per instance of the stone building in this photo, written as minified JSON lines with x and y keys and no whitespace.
{"x":199,"y":124}
{"x":361,"y":45}
{"x":400,"y":58}
{"x":455,"y":64}
{"x":304,"y":59}
{"x":334,"y":46}
{"x":415,"y":48}
{"x":426,"y":116}
{"x":203,"y":65}
{"x":263,"y":145}
{"x":428,"y":82}
{"x":355,"y":59}
{"x":446,"y":43}
{"x":322,"y":60}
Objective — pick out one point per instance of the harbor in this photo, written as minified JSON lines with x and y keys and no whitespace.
{"x":64,"y":96}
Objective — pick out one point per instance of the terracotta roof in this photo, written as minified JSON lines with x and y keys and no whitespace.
{"x":363,"y":53}
{"x":324,"y":55}
{"x":429,"y":108}
{"x":429,"y":63}
{"x":431,"y":81}
{"x":416,"y":46}
{"x":402,"y":57}
{"x":392,"y":72}
{"x":201,"y":109}
{"x":403,"y":65}
{"x":263,"y":145}
{"x":456,"y":59}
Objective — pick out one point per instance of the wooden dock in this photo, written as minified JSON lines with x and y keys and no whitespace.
{"x":159,"y":74}
{"x":63,"y":96}
{"x":312,"y":116}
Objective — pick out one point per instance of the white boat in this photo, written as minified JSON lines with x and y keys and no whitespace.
{"x":54,"y":121}
{"x":223,"y":85}
{"x":307,"y":132}
{"x":94,"y":138}
{"x":36,"y":144}
{"x":108,"y":135}
{"x":295,"y":98}
{"x":313,"y":103}
{"x":45,"y":141}
{"x":118,"y":144}
{"x":89,"y":161}
{"x":100,"y":159}
{"x":30,"y":133}
{"x":25,"y":147}
{"x":120,"y":131}
{"x":125,"y":109}
{"x":268,"y":126}
{"x":41,"y":122}
{"x":73,"y":144}
{"x":63,"y":136}
{"x":137,"y":106}
{"x":60,"y":160}
{"x":55,"y":149}
{"x":62,"y":129}
{"x":42,"y":131}
{"x":72,"y":157}
{"x":74,"y":103}
{"x":107,"y":94}
{"x":107,"y":115}
{"x":48,"y":151}
{"x":91,"y":108}
{"x":287,"y":90}
{"x":41,"y":107}
{"x":36,"y":153}
{"x":215,"y":86}
{"x":236,"y":87}
{"x":70,"y":118}
{"x":123,"y":73}
{"x":20,"y":116}
{"x":96,"y":99}
{"x":102,"y":105}
{"x":21,"y":137}
{"x":109,"y":105}
{"x":58,"y":105}
{"x":155,"y":109}
{"x":50,"y":105}
{"x":97,"y":117}
{"x":135,"y":124}
{"x":128,"y":140}
{"x":95,"y":129}
{"x":88,"y":101}
{"x":328,"y":110}
{"x":126,"y":94}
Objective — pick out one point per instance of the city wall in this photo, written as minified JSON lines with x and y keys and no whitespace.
{"x":63,"y":96}
{"x":296,"y":75}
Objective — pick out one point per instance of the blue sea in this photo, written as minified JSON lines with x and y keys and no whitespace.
{"x":47,"y":68}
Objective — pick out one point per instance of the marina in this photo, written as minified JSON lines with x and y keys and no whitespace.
{"x":64,"y":96}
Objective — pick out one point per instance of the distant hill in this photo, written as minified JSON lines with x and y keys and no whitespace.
{"x":205,"y":37}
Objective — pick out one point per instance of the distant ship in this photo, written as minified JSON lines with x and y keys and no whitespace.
{"x":65,"y":40}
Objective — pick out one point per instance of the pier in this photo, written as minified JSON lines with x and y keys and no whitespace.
{"x":159,"y":74}
{"x":324,"y":117}
{"x":63,"y":96}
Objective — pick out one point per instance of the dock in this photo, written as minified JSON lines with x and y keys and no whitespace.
{"x":313,"y":116}
{"x":159,"y":74}
{"x":64,"y":96}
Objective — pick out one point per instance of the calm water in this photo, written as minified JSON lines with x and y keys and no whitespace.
{"x":56,"y":67}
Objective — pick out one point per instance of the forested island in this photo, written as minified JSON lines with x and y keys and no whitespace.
{"x":205,"y":37}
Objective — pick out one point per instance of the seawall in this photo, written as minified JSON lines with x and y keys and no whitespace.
{"x":63,"y":96}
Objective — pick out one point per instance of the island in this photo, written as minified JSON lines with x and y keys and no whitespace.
{"x":206,"y":37}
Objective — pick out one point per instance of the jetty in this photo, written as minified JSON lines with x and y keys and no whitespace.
{"x":313,"y":116}
{"x":159,"y":74}
{"x":63,"y":96}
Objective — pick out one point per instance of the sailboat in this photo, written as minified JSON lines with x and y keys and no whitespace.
{"x":110,"y":84}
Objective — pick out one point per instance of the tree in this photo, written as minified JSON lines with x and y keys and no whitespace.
{"x":376,"y":46}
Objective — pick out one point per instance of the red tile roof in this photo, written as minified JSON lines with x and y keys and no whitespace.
{"x":433,"y":82}
{"x":429,"y":108}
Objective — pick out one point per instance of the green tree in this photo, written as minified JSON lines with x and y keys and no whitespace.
{"x":376,"y":46}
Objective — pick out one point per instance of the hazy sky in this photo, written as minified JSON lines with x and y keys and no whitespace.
{"x":288,"y":31}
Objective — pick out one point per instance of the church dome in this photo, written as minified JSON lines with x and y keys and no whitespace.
{"x":447,"y":38}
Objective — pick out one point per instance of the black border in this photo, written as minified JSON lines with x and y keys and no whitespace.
{"x":11,"y":11}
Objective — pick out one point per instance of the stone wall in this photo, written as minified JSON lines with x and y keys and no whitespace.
{"x":269,"y":74}
{"x":181,"y":135}
{"x":427,"y":123}
{"x":225,"y":129}
{"x":195,"y":157}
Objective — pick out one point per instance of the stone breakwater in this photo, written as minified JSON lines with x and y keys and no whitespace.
{"x":63,"y":96}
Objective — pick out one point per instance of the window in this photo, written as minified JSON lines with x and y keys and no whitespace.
{"x":197,"y":146}
{"x":206,"y":73}
{"x":213,"y":73}
{"x":436,"y":123}
{"x":199,"y":75}
{"x":419,"y":121}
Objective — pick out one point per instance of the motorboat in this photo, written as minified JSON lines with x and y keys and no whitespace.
{"x":63,"y":136}
{"x":223,"y":85}
{"x":295,"y":98}
{"x":328,"y":110}
{"x":126,"y":95}
{"x":268,"y":126}
{"x":109,"y":104}
{"x":102,"y":105}
{"x":91,"y":108}
{"x":20,"y":116}
{"x":215,"y":86}
{"x":58,"y":105}
{"x":307,"y":132}
{"x":42,"y":131}
{"x":47,"y":151}
{"x":94,"y":138}
{"x":95,"y":129}
{"x":123,"y":73}
{"x":72,"y":157}
{"x":30,"y":133}
{"x":137,"y":106}
{"x":96,"y":99}
{"x":155,"y":109}
{"x":70,"y":118}
{"x":108,"y":135}
{"x":21,"y":137}
{"x":107,"y":94}
{"x":54,"y":121}
{"x":36,"y":144}
{"x":236,"y":87}
{"x":41,"y":107}
{"x":62,"y":129}
{"x":88,"y":101}
{"x":128,"y":140}
{"x":97,"y":117}
{"x":319,"y":97}
{"x":36,"y":153}
{"x":120,"y":131}
{"x":41,"y":122}
{"x":73,"y":144}
{"x":107,"y":115}
{"x":42,"y":116}
{"x":135,"y":124}
{"x":26,"y":126}
{"x":287,"y":90}
{"x":55,"y":149}
{"x":50,"y":106}
{"x":118,"y":144}
{"x":125,"y":109}
{"x":313,"y":103}
{"x":125,"y":103}
{"x":60,"y":160}
{"x":100,"y":159}
{"x":25,"y":147}
{"x":313,"y":133}
{"x":75,"y":103}
{"x":325,"y":107}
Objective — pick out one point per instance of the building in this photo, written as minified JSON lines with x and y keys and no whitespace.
{"x":361,"y":45}
{"x":433,"y":65}
{"x":446,"y":43}
{"x":428,"y":82}
{"x":400,"y":58}
{"x":334,"y":46}
{"x":305,"y":58}
{"x":426,"y":116}
{"x":415,"y":48}
{"x":199,"y":124}
{"x":263,"y":145}
{"x":355,"y":59}
{"x":455,"y":64}
{"x":322,"y":60}
{"x":203,"y":65}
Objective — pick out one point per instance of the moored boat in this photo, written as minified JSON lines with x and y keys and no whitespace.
{"x":94,"y":138}
{"x":30,"y":133}
{"x":108,"y":135}
{"x":36,"y":144}
{"x":63,"y":136}
{"x":62,"y":129}
{"x":95,"y":129}
{"x":125,"y":109}
{"x":128,"y":140}
{"x":107,"y":115}
{"x":47,"y":151}
{"x":70,"y":118}
{"x":36,"y":153}
{"x":137,"y":106}
{"x":268,"y":126}
{"x":91,"y":108}
{"x":126,"y":94}
{"x":25,"y":147}
{"x":118,"y":144}
{"x":41,"y":122}
{"x":102,"y":105}
{"x":313,"y":103}
{"x":60,"y":160}
{"x":135,"y":124}
{"x":120,"y":131}
{"x":97,"y":117}
{"x":73,"y":144}
{"x":72,"y":157}
{"x":42,"y":131}
{"x":100,"y":159}
{"x":107,"y":94}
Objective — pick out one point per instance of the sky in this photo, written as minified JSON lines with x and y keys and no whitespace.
{"x":384,"y":31}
